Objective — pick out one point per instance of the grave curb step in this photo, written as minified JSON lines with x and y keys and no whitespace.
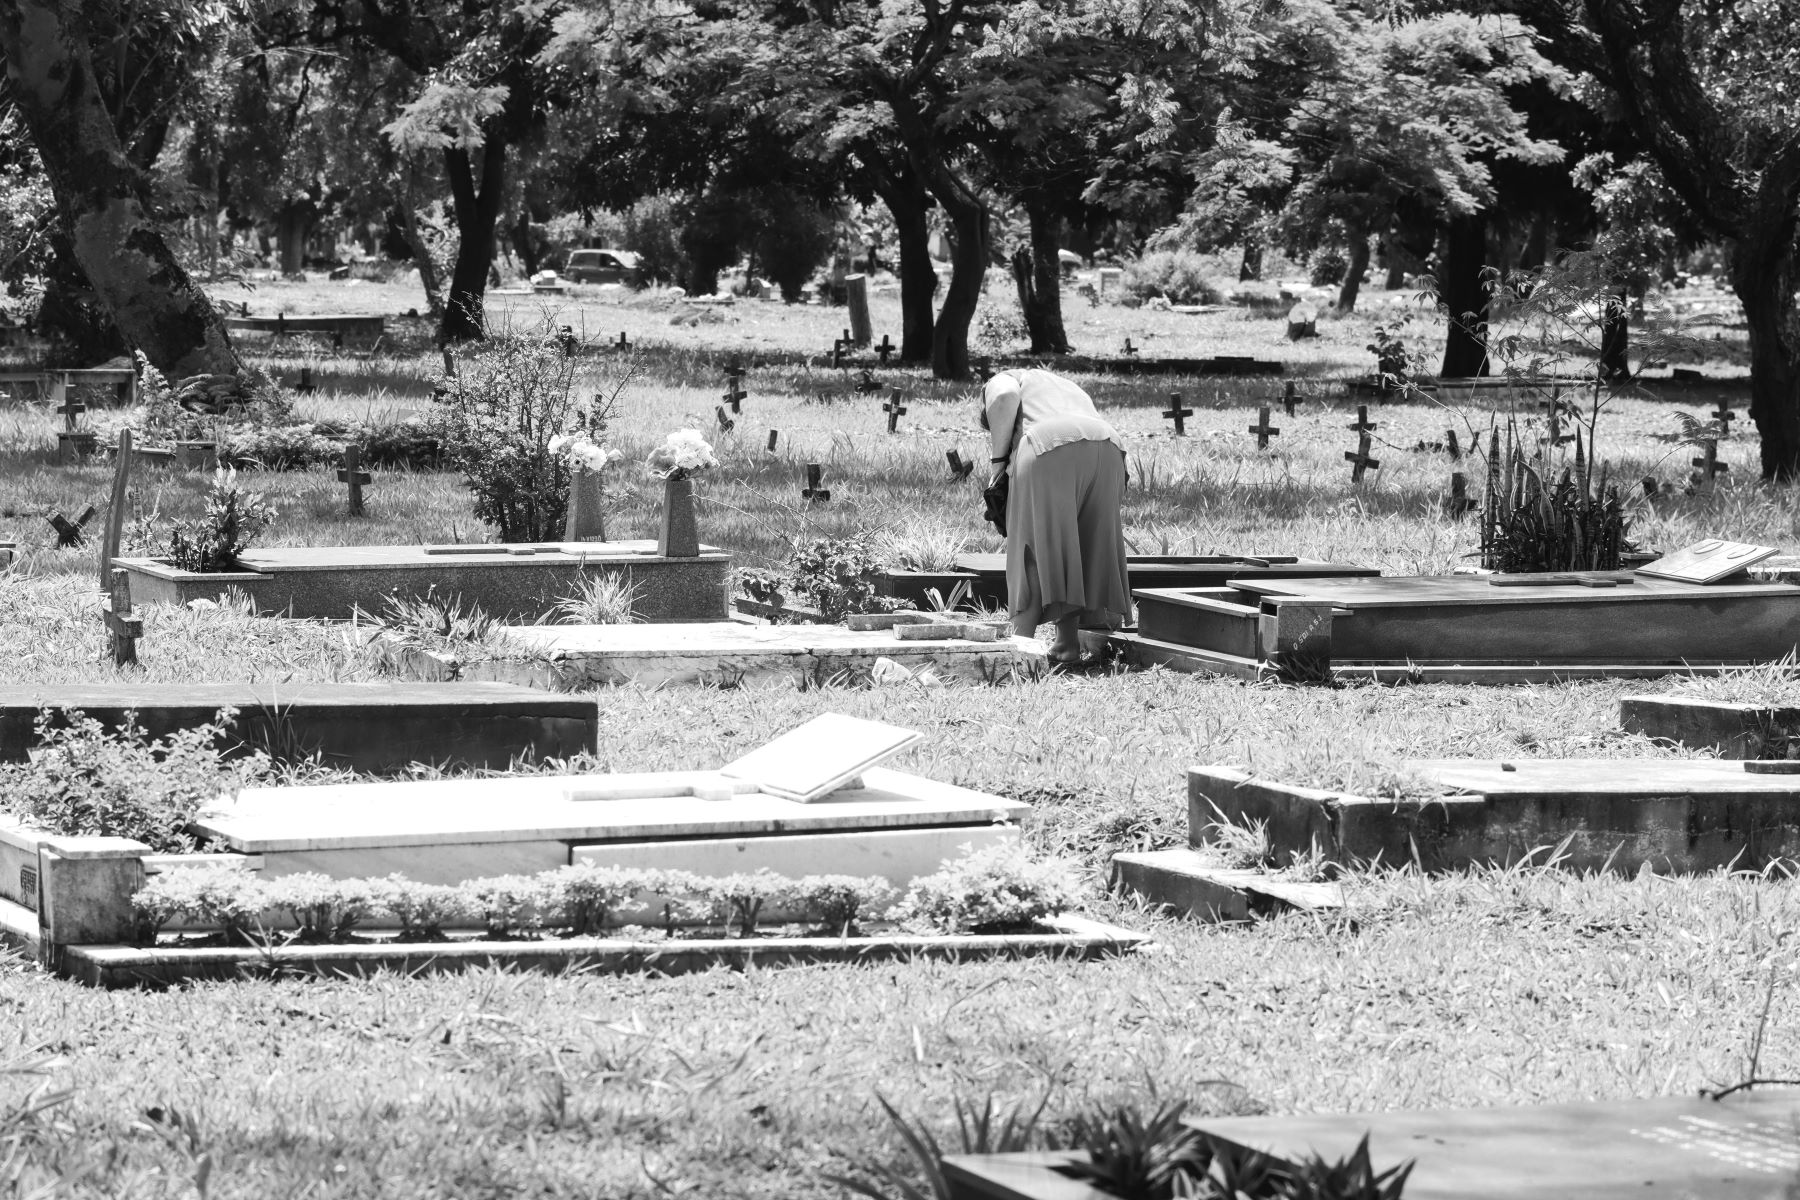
{"x":1188,"y":882}
{"x":1733,"y":730}
{"x":113,"y":966}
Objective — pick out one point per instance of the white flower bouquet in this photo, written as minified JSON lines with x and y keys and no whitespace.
{"x":582,"y":452}
{"x":684,"y":453}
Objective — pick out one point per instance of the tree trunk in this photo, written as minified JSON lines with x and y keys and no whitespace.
{"x":1251,"y":267}
{"x":1038,"y":274}
{"x":1352,"y":285}
{"x":1615,"y":338}
{"x":909,"y":203}
{"x":407,"y":218}
{"x":477,"y":217}
{"x":521,"y":240}
{"x":1464,"y":298}
{"x":100,"y":197}
{"x":293,"y":225}
{"x":968,"y":268}
{"x":1762,"y":275}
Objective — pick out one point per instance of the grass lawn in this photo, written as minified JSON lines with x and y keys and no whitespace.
{"x":1486,"y":987}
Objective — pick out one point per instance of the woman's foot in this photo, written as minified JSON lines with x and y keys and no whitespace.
{"x":1067,"y":646}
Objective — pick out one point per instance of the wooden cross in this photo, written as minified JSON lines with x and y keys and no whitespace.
{"x":885,"y":349}
{"x":352,"y":474}
{"x":1130,"y":350}
{"x":1709,"y":465}
{"x":726,"y":424}
{"x":734,"y":387}
{"x":305,"y":386}
{"x":123,"y":626}
{"x":812,"y":491}
{"x":71,"y":409}
{"x":1177,"y":414}
{"x":868,"y":384}
{"x":1289,"y":397}
{"x":1360,"y":459}
{"x":958,"y":468}
{"x":1450,"y":445}
{"x":68,"y":533}
{"x":1458,"y":502}
{"x":1363,"y":425}
{"x":1724,"y":416}
{"x":623,"y":343}
{"x":1263,"y":430}
{"x":774,"y":436}
{"x":839,"y":347}
{"x":115,"y":512}
{"x":895,"y":410}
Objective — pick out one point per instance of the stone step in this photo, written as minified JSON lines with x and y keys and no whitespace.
{"x":1196,"y":886}
{"x":369,"y":727}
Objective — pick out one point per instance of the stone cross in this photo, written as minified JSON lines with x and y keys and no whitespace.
{"x":726,"y":424}
{"x":886,"y":348}
{"x":123,"y":626}
{"x":774,"y":436}
{"x":1709,"y":466}
{"x":1289,"y":397}
{"x":812,"y":491}
{"x":958,"y":468}
{"x":1724,"y":416}
{"x":68,"y":533}
{"x":895,"y":410}
{"x":1359,"y":459}
{"x":115,"y":513}
{"x":1263,"y":430}
{"x":623,"y":343}
{"x":734,"y":387}
{"x":1458,"y":502}
{"x":305,"y":386}
{"x":352,"y":475}
{"x":1130,"y":350}
{"x":1363,"y":425}
{"x":1451,"y":445}
{"x":71,"y":409}
{"x":1176,"y":413}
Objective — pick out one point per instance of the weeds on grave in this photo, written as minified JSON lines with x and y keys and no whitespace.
{"x":1531,"y":522}
{"x":600,"y":598}
{"x":986,"y":1131}
{"x":993,"y":890}
{"x":87,"y":780}
{"x":1355,"y":770}
{"x":235,"y":517}
{"x":434,"y":623}
{"x":1765,"y":685}
{"x":921,"y":546}
{"x":838,"y":576}
{"x":1396,"y":363}
{"x":497,"y":413}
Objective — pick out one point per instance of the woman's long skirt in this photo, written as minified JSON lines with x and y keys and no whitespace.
{"x":1065,"y":546}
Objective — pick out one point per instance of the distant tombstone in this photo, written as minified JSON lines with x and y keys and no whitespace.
{"x":856,"y":292}
{"x":1302,"y":321}
{"x":1111,"y":277}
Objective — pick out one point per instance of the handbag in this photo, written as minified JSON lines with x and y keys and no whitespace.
{"x":995,"y":495}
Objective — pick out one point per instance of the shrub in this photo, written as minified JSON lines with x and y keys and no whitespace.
{"x":1177,"y":275}
{"x":512,"y":904}
{"x":838,"y":576}
{"x":739,"y":899}
{"x":990,"y":890}
{"x":325,"y":909}
{"x":588,"y":895}
{"x":838,"y":901}
{"x":1329,"y":269}
{"x":495,"y":418}
{"x":1533,"y":522}
{"x":227,"y":897}
{"x":234,"y":519}
{"x":423,"y":909}
{"x":601,"y":598}
{"x":86,"y":780}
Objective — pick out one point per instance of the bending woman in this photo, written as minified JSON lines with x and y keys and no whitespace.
{"x":1065,"y":546}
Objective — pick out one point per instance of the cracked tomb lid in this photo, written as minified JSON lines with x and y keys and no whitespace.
{"x":821,"y":756}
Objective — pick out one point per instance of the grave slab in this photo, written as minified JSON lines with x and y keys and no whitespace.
{"x":1194,"y":886}
{"x":1738,"y":731}
{"x":1739,"y":1148}
{"x":732,"y":652}
{"x":1672,"y":815}
{"x":369,"y":727}
{"x":1170,"y":571}
{"x":1635,"y":622}
{"x":510,"y":582}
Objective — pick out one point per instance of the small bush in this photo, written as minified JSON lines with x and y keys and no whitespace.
{"x":423,"y":909}
{"x":226,"y":897}
{"x":838,"y":576}
{"x":601,"y":598}
{"x":234,"y":519}
{"x":587,"y":895}
{"x":837,"y":902}
{"x":991,"y":890}
{"x":737,"y":900}
{"x":513,"y":904}
{"x":325,"y":909}
{"x":1178,"y":276}
{"x":86,"y":780}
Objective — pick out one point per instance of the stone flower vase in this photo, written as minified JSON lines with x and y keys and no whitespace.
{"x":586,"y":520}
{"x":678,"y":537}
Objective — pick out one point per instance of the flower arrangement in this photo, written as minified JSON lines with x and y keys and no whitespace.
{"x":581,"y":452}
{"x":683,"y":454}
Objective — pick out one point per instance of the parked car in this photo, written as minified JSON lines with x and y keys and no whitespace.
{"x":602,"y":266}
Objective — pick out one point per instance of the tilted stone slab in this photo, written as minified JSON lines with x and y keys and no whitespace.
{"x":1186,"y":881}
{"x":369,"y":727}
